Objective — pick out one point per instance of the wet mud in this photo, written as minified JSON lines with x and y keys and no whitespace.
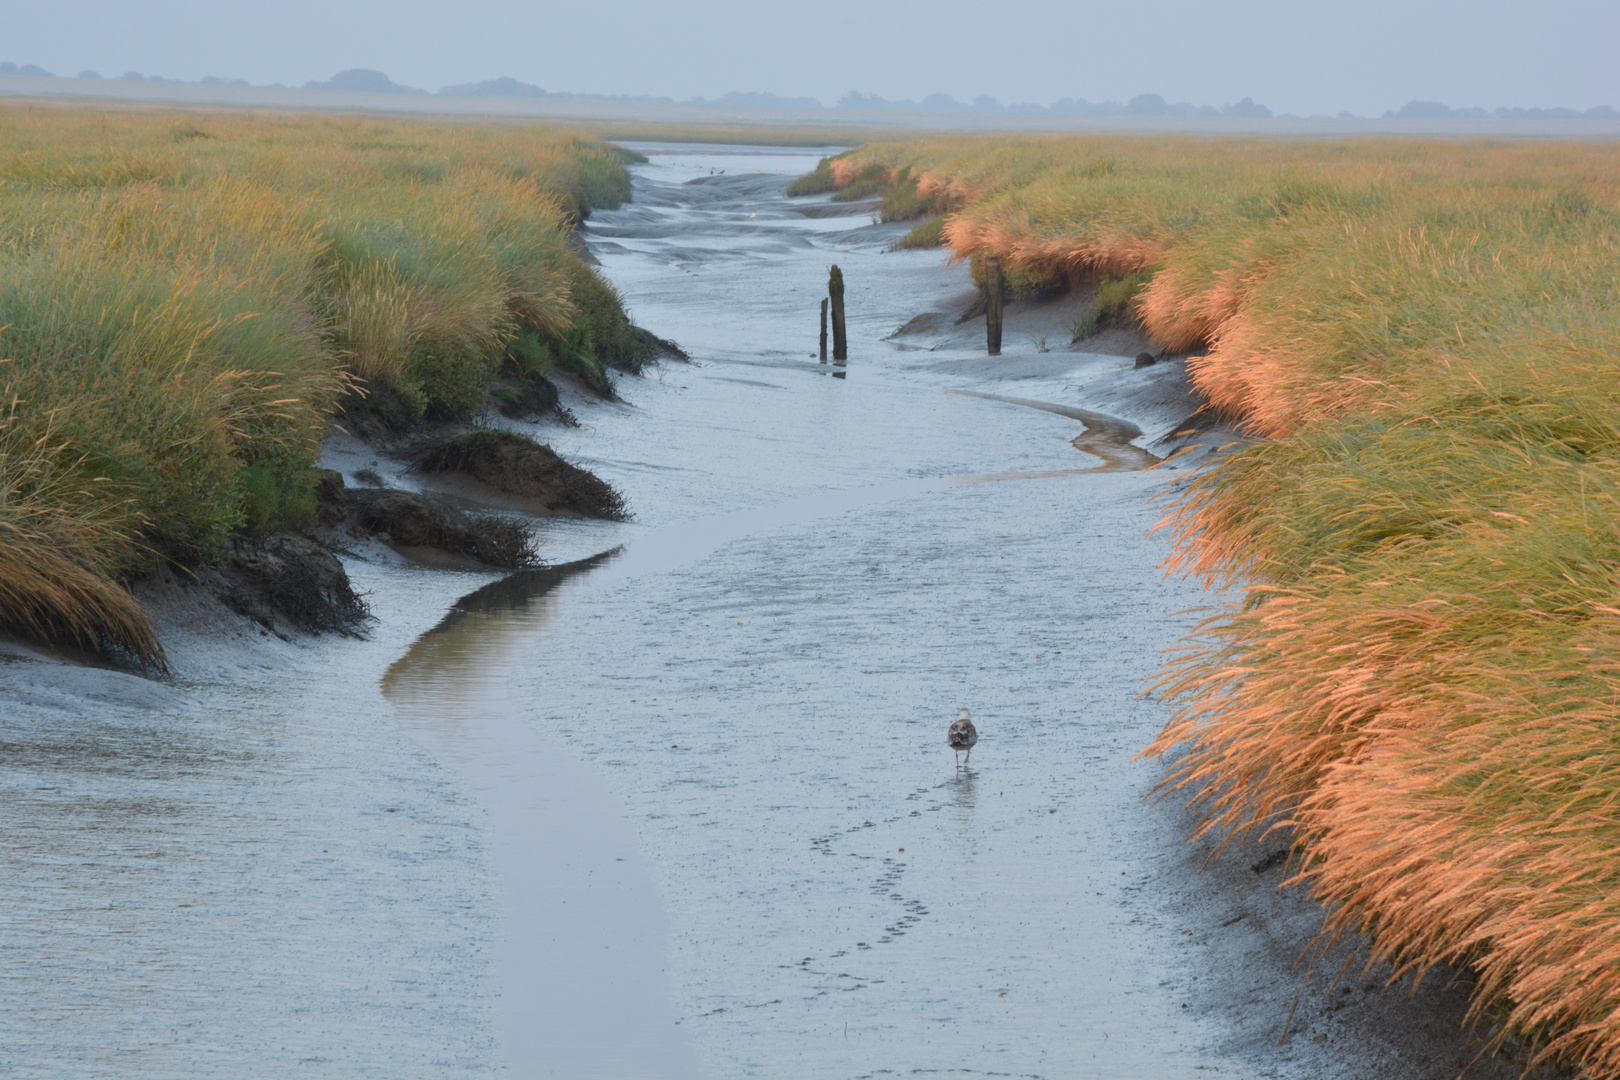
{"x":1106,"y":437}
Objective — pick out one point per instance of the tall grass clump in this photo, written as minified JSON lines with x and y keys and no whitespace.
{"x":185,"y":304}
{"x":819,"y":181}
{"x":926,"y":234}
{"x":57,"y":528}
{"x":1420,"y":680}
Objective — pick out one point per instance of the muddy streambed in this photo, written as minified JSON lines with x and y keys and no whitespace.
{"x":682,"y":806}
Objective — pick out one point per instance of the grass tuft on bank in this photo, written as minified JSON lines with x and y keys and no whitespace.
{"x":1423,"y":676}
{"x":181,"y":317}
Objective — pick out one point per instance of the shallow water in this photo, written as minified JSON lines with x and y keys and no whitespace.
{"x":764,"y":673}
{"x":686,"y":808}
{"x":245,"y":873}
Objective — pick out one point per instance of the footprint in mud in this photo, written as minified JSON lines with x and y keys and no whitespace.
{"x":886,"y":886}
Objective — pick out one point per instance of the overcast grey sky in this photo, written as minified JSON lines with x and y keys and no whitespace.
{"x":1295,"y":57}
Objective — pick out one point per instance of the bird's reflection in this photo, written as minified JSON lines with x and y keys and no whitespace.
{"x":964,"y":790}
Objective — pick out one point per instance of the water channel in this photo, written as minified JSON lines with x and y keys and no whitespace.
{"x":759,"y":674}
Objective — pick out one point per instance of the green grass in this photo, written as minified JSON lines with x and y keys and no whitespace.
{"x":187,"y":300}
{"x":927,"y":234}
{"x":818,"y":181}
{"x":901,"y":201}
{"x":870,"y":181}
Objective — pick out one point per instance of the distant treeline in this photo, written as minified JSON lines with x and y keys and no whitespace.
{"x":1433,"y":110}
{"x":1140,"y":105}
{"x":366,"y":81}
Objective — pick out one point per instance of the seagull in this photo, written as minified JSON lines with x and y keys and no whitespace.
{"x":962,"y":736}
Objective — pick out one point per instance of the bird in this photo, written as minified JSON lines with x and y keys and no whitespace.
{"x":962,"y":736}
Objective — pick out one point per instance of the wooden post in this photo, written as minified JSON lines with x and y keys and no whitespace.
{"x":835,"y":292}
{"x":823,"y":329}
{"x":992,"y":303}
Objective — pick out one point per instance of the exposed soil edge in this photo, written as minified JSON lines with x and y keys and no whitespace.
{"x":291,"y":583}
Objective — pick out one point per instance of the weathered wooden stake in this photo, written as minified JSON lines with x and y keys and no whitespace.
{"x":823,"y":329}
{"x":835,"y":292}
{"x":992,"y":303}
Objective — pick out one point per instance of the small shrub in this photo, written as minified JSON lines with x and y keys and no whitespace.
{"x":451,"y":378}
{"x":527,"y":352}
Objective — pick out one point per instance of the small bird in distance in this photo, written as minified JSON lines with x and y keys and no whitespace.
{"x":962,"y":736}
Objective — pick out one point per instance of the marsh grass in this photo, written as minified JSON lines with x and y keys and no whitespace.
{"x":874,"y":179}
{"x":1421,"y":679}
{"x":58,"y":529}
{"x":818,"y":181}
{"x":186,"y":302}
{"x":901,"y":202}
{"x":927,"y":234}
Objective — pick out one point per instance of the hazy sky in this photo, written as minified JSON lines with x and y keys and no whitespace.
{"x":1297,"y":57}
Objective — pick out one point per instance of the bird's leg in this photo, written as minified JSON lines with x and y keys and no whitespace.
{"x":969,"y":755}
{"x":958,"y":754}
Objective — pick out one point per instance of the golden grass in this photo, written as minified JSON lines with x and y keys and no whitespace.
{"x":1423,"y":680}
{"x":51,"y":530}
{"x":186,"y":299}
